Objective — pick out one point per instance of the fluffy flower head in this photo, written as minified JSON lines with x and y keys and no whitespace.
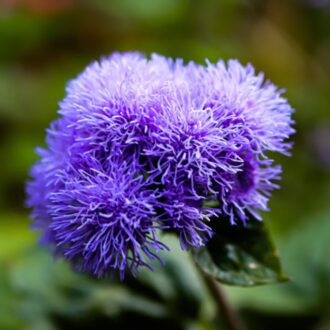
{"x":146,"y":145}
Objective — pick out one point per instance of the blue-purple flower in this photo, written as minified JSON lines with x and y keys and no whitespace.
{"x":150,"y":145}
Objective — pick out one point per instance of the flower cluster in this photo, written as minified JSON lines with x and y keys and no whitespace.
{"x":148,"y":145}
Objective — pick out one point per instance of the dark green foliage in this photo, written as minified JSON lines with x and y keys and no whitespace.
{"x":42,"y":293}
{"x":241,"y":255}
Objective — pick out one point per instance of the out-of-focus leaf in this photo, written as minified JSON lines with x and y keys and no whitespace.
{"x":8,"y":319}
{"x":47,"y":290}
{"x":306,"y":254}
{"x":241,"y":255}
{"x":14,"y":236}
{"x":146,"y":11}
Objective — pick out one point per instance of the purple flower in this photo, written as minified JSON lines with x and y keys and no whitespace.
{"x":102,"y":219}
{"x":144,"y":146}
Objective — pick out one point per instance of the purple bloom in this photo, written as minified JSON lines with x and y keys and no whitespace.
{"x":144,"y":146}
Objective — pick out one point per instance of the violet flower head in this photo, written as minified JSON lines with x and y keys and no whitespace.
{"x":149,"y":145}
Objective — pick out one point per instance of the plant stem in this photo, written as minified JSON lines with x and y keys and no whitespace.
{"x":231,"y":316}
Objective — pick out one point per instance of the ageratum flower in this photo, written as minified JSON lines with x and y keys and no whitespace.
{"x":143,"y":146}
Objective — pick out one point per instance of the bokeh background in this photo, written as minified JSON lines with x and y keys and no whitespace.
{"x":43,"y":43}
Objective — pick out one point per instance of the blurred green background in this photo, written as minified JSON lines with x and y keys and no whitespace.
{"x":43,"y":43}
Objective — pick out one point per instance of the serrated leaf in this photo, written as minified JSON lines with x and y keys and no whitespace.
{"x":241,"y":255}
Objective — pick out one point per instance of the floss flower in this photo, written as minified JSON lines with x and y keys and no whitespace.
{"x":143,"y":146}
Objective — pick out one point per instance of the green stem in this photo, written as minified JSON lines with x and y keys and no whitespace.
{"x":229,"y":313}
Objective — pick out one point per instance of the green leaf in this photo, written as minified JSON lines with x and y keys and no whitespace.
{"x":240,"y":255}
